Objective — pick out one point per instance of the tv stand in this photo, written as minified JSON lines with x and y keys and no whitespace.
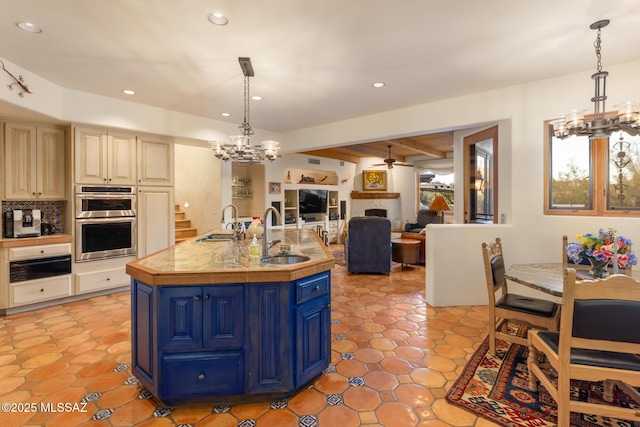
{"x":329,"y":220}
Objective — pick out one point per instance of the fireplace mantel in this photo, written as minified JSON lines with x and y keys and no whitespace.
{"x":373,"y":195}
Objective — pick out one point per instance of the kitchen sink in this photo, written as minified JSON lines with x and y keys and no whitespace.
{"x":285,"y":259}
{"x":216,"y":237}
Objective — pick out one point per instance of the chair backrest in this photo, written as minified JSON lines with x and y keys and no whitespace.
{"x":368,"y":234}
{"x":494,"y":268}
{"x":368,"y":245}
{"x":600,"y":314}
{"x":426,"y":216}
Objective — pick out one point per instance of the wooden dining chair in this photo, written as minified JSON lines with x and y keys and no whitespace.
{"x":505,"y":306}
{"x":599,"y":340}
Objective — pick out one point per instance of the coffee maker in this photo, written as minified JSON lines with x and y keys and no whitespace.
{"x":22,"y":223}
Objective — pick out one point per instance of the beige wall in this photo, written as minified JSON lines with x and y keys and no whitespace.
{"x":198,"y":182}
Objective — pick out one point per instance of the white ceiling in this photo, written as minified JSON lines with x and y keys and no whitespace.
{"x":314,"y":62}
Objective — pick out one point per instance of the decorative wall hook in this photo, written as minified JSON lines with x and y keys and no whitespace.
{"x":345,"y":179}
{"x":17,"y":81}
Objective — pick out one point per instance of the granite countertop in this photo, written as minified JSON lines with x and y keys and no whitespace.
{"x":217,"y":262}
{"x":34,"y":241}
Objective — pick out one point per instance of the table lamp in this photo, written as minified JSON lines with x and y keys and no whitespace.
{"x":439,"y":204}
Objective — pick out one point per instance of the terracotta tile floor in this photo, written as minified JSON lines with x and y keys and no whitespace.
{"x":393,"y":358}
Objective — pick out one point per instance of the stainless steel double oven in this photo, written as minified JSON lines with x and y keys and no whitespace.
{"x":105,"y":222}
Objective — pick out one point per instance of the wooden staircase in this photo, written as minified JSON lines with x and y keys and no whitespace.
{"x":184,"y":230}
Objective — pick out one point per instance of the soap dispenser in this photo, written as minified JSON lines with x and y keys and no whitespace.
{"x":254,"y":248}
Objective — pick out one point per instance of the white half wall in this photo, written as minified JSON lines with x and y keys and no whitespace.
{"x":454,"y":266}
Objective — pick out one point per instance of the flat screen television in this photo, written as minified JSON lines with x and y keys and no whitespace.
{"x":313,"y":201}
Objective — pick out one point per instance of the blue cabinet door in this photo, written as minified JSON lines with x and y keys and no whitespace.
{"x":269,"y":348}
{"x":223,"y":317}
{"x":180,"y":318}
{"x":313,"y":339}
{"x":143,"y":331}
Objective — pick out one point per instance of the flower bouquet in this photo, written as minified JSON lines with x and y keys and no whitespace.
{"x":601,"y":250}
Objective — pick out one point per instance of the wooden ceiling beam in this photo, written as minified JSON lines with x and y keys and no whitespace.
{"x":367,"y":151}
{"x":419,"y":147}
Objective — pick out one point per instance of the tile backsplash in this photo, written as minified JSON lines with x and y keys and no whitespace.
{"x":52,"y":211}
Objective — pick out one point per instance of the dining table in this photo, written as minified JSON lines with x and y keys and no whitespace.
{"x":549,"y":277}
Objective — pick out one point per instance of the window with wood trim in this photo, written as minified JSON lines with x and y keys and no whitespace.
{"x":599,"y":177}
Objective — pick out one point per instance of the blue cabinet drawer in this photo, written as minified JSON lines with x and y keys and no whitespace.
{"x":194,"y":375}
{"x":312,"y":287}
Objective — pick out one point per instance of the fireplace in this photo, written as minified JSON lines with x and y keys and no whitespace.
{"x":376,"y":212}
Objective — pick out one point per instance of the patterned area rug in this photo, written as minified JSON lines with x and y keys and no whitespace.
{"x":495,"y":388}
{"x":339,"y":257}
{"x":338,"y":253}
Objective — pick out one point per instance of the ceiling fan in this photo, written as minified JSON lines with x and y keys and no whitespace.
{"x":390,"y":161}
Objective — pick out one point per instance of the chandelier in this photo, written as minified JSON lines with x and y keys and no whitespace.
{"x":600,"y":125}
{"x":240,"y":149}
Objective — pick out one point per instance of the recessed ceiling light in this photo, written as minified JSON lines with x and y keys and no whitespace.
{"x":225,"y":114}
{"x":128,"y":92}
{"x":256,"y":98}
{"x":28,"y":27}
{"x":217,"y":18}
{"x":378,"y":84}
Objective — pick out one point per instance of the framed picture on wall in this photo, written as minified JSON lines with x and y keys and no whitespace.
{"x":374,"y":180}
{"x":274,"y":188}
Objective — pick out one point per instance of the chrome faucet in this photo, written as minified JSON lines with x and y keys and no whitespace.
{"x":266,"y":245}
{"x":238,"y":232}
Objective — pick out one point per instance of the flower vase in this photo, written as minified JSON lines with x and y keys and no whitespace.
{"x":598,"y":268}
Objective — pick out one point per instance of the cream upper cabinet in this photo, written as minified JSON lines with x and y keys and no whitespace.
{"x":34,"y":162}
{"x":155,"y":162}
{"x":104,"y":158}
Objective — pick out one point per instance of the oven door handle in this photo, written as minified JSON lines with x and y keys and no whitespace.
{"x":105,"y":219}
{"x":102,"y":196}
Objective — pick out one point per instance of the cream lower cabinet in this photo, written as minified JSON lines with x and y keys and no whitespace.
{"x":101,"y":280}
{"x":15,"y":291}
{"x":34,"y":291}
{"x":156,"y":229}
{"x":104,"y":157}
{"x":34,"y":162}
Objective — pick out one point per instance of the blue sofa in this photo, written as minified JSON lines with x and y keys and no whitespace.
{"x":367,"y":247}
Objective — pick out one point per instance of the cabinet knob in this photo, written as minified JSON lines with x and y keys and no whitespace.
{"x":41,"y":251}
{"x":108,"y":278}
{"x":316,"y":288}
{"x":33,"y":194}
{"x":328,"y":306}
{"x":41,"y":290}
{"x":206,"y":297}
{"x":196,"y":298}
{"x":201,"y":377}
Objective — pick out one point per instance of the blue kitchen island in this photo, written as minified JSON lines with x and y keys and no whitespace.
{"x":212,"y":325}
